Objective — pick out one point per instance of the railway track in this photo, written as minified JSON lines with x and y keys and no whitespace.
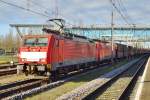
{"x":17,"y":87}
{"x":89,"y":89}
{"x":6,"y":66}
{"x":31,"y":91}
{"x":13,"y":88}
{"x":117,"y":88}
{"x":61,"y":80}
{"x":8,"y":71}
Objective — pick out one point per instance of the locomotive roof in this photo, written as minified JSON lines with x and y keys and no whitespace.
{"x":96,"y":40}
{"x":68,"y":35}
{"x":30,"y":36}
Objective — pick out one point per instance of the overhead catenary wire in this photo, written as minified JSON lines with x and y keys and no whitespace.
{"x":123,"y":8}
{"x":40,"y":6}
{"x":26,"y":9}
{"x":23,"y":8}
{"x":118,"y":10}
{"x":124,"y":16}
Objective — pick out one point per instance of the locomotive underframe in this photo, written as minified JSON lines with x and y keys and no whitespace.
{"x":46,"y":70}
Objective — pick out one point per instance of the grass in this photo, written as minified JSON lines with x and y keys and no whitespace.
{"x":4,"y":59}
{"x":74,"y":83}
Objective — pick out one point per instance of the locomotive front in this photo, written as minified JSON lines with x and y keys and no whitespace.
{"x":33,"y":55}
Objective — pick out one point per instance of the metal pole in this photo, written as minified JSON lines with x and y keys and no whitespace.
{"x":112,"y":30}
{"x":135,"y":36}
{"x":56,"y":9}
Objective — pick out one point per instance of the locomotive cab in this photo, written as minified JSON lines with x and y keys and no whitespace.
{"x":34,"y":54}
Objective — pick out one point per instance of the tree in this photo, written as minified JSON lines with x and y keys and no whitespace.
{"x":17,"y":41}
{"x":1,"y":42}
{"x":10,"y":42}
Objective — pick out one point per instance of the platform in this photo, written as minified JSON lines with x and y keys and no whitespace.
{"x":143,"y":92}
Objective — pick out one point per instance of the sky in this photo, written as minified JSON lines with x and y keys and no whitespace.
{"x":73,"y":11}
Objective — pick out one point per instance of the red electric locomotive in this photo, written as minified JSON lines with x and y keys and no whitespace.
{"x":53,"y":53}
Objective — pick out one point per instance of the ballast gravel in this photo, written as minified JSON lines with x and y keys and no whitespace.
{"x":84,"y":90}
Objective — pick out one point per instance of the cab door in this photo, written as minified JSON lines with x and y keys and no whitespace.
{"x":60,"y":51}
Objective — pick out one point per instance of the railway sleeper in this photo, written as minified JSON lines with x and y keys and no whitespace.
{"x":9,"y":92}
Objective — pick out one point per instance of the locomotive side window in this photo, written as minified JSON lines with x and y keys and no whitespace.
{"x":36,"y":41}
{"x":42,"y":41}
{"x":29,"y":41}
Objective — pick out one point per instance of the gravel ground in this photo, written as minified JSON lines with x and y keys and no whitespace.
{"x":74,"y":83}
{"x":91,"y":86}
{"x":114,"y":91}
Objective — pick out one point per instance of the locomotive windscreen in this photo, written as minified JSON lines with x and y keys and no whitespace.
{"x":36,"y":41}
